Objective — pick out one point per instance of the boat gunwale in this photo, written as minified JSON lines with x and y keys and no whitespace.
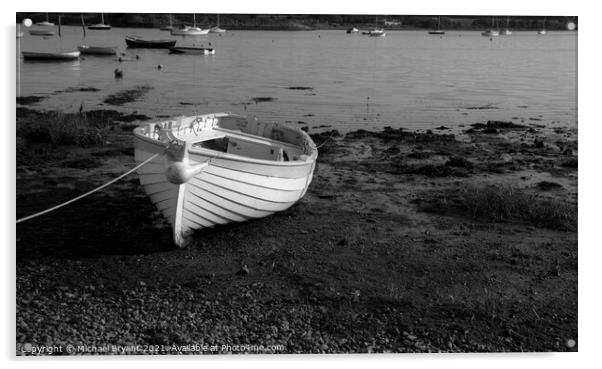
{"x":214,"y":154}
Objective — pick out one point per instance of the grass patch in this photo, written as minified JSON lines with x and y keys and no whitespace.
{"x":507,"y":203}
{"x":60,"y":129}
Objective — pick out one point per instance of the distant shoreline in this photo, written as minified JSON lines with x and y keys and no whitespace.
{"x":297,"y":22}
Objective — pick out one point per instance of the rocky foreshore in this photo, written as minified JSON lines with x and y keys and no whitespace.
{"x":405,"y":242}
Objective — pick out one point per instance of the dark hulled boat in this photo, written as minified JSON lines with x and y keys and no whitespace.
{"x":132,"y":41}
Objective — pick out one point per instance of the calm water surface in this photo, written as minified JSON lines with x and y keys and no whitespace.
{"x":407,"y":79}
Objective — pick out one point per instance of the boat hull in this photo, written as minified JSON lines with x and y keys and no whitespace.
{"x":100,"y":27}
{"x":41,"y":32}
{"x":74,"y":55}
{"x":97,"y":50}
{"x":190,"y":32}
{"x":490,"y":33}
{"x":192,"y":50}
{"x":150,"y":44}
{"x":229,"y":187}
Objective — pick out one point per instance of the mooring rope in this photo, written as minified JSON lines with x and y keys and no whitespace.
{"x":326,"y":141}
{"x":92,"y":191}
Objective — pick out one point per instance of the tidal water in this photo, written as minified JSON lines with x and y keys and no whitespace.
{"x":320,"y":78}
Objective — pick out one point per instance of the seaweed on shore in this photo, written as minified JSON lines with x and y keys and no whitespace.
{"x":300,"y":88}
{"x":29,"y":100}
{"x":257,"y":100}
{"x":78,"y":89}
{"x":400,"y":134}
{"x":126,"y":96}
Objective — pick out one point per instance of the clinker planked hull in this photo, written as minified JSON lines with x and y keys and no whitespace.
{"x":229,"y":188}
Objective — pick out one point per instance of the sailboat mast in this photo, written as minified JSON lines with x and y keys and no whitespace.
{"x":102,"y":18}
{"x":218,"y":21}
{"x":194,"y":20}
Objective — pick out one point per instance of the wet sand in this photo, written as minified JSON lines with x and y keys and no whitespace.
{"x":381,"y":255}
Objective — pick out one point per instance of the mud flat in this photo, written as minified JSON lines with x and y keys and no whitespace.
{"x":405,"y":242}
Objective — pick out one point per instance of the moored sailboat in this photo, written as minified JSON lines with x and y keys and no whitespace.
{"x":507,"y":31}
{"x":542,"y":31}
{"x":493,"y":31}
{"x":190,"y":31}
{"x":46,"y":23}
{"x":170,"y":27}
{"x":217,"y":28}
{"x":100,"y":26}
{"x":437,"y":31}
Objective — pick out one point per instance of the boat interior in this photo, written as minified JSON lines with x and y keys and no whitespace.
{"x":234,"y":134}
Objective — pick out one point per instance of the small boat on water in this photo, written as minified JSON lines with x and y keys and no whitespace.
{"x":41,"y":32}
{"x":46,"y":23}
{"x":220,"y":168}
{"x":97,"y":50}
{"x":133,"y":41}
{"x":377,"y":33}
{"x":190,"y":31}
{"x":69,"y":55}
{"x":353,"y":30}
{"x":100,"y":26}
{"x":192,"y":50}
{"x":217,"y":28}
{"x":168,"y":28}
{"x":493,"y":31}
{"x":490,"y":33}
{"x":542,"y":31}
{"x":507,"y":31}
{"x":437,"y":31}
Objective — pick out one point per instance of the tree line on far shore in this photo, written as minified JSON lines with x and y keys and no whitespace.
{"x":310,"y":21}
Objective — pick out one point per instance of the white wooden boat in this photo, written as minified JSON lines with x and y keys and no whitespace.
{"x":41,"y":32}
{"x":352,"y":30}
{"x":70,"y":55}
{"x":97,"y":50}
{"x":221,"y":168}
{"x":542,"y":32}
